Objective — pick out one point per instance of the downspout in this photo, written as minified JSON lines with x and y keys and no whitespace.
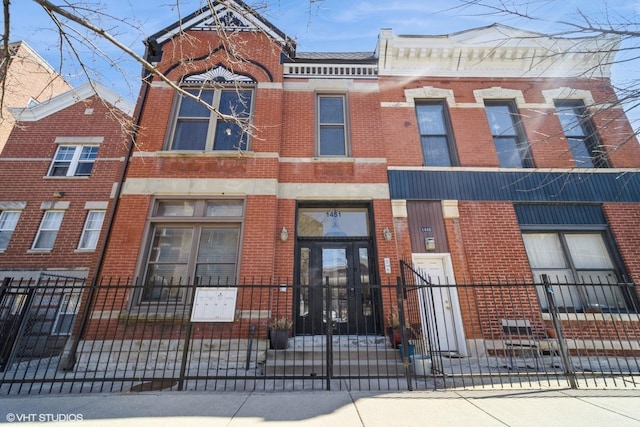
{"x":70,"y":361}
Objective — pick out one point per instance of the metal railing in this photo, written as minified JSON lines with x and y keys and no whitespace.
{"x":515,"y":333}
{"x":217,"y":337}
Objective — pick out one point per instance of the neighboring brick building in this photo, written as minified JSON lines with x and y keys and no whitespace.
{"x":68,"y":153}
{"x":58,"y":170}
{"x":470,"y":153}
{"x":512,"y":164}
{"x":29,"y":79}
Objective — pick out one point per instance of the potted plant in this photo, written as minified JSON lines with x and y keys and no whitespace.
{"x":279,"y":333}
{"x":393,"y":329}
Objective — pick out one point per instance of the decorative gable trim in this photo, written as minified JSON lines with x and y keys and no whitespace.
{"x":69,"y":98}
{"x":229,"y":15}
{"x":218,"y":74}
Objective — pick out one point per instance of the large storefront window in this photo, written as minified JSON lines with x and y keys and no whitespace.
{"x":192,"y":242}
{"x":581,"y":263}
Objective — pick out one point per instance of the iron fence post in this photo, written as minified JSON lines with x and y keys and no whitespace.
{"x":403,"y":332}
{"x":329,"y":338}
{"x":555,"y":320}
{"x":187,"y":343}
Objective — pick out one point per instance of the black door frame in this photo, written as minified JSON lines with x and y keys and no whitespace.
{"x":320,"y":290}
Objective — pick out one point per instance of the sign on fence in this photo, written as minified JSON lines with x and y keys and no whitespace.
{"x":214,"y":305}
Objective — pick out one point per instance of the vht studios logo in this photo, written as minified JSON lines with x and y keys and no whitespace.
{"x":42,"y":418}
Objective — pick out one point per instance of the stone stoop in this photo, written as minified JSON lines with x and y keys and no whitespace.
{"x":359,"y":357}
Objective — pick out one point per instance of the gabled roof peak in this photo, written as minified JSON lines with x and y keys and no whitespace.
{"x":43,"y":109}
{"x":228,"y":15}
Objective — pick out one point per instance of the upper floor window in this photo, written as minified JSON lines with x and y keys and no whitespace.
{"x":91,"y":230}
{"x":508,"y":137}
{"x":8,"y":222}
{"x":435,"y":134}
{"x":199,"y":128}
{"x":580,"y":134}
{"x":48,"y":230}
{"x":73,"y":160}
{"x":331,"y":123}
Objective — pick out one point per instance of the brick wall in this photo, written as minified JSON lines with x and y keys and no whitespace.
{"x":28,"y":154}
{"x":624,"y":223}
{"x":493,"y":242}
{"x":473,"y":139}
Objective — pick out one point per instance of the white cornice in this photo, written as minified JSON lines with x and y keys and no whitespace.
{"x":496,"y":51}
{"x":69,"y":98}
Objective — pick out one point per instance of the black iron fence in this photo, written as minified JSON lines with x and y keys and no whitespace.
{"x":518,"y":333}
{"x":66,"y":335}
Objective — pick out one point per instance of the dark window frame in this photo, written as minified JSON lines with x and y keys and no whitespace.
{"x":583,"y":133}
{"x":197,"y":221}
{"x":447,"y":127}
{"x":582,"y":287}
{"x":322,"y":145}
{"x":521,"y":142}
{"x":214,"y":123}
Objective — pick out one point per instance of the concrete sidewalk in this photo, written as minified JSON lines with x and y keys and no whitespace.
{"x":617,"y":408}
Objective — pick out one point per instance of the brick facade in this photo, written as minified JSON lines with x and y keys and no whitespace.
{"x":29,"y":152}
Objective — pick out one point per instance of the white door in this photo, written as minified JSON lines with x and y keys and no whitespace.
{"x":445,"y":322}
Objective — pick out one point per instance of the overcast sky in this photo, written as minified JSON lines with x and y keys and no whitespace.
{"x":330,"y":25}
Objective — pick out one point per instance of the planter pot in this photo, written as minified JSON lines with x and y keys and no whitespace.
{"x":395,"y":338}
{"x":412,"y":350}
{"x":421,"y":364}
{"x":279,"y":339}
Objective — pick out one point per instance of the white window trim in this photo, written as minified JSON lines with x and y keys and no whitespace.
{"x":13,"y":229}
{"x":86,"y":230}
{"x":63,"y":309}
{"x":73,"y":163}
{"x":40,"y":230}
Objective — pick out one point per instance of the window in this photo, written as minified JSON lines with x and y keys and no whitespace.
{"x":91,"y":230}
{"x":8,"y":222}
{"x":435,"y":134}
{"x":191,"y":241}
{"x":73,"y":160}
{"x":512,"y":149}
{"x":198,"y":128}
{"x":332,"y":125}
{"x":67,"y":310}
{"x":48,"y":230}
{"x":580,"y":134}
{"x":580,"y":260}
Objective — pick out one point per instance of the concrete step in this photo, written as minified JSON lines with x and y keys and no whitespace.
{"x":361,"y":361}
{"x":313,"y":368}
{"x":363,"y":354}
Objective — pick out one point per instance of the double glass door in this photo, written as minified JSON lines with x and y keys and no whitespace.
{"x":336,"y":289}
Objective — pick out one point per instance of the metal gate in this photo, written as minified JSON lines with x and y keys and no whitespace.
{"x":519,"y":333}
{"x":72,"y":337}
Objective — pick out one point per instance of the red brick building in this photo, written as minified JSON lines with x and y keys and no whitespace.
{"x":68,"y":152}
{"x":473,"y":158}
{"x":58,"y":168}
